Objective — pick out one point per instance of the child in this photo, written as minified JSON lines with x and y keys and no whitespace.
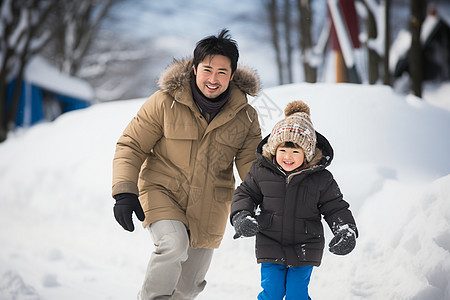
{"x":291,"y":187}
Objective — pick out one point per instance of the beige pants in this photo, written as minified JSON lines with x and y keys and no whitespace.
{"x":175,"y":270}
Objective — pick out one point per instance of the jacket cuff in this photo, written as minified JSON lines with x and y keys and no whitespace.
{"x":125,"y":187}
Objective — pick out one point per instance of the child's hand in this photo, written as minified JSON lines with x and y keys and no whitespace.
{"x":244,"y":224}
{"x":344,"y":240}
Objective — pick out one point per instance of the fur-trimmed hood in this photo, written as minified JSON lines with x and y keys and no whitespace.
{"x":178,"y":75}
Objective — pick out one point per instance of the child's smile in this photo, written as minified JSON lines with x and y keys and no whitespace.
{"x":289,"y":158}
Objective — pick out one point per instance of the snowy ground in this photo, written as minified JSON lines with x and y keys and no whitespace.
{"x":59,"y":239}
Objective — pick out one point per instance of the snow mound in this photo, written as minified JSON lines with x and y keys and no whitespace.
{"x":59,"y":239}
{"x":404,"y":247}
{"x":13,"y":287}
{"x":369,"y":124}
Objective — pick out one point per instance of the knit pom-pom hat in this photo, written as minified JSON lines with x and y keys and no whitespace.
{"x":296,"y":128}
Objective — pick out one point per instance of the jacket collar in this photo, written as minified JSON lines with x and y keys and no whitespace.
{"x":175,"y":81}
{"x":177,"y":77}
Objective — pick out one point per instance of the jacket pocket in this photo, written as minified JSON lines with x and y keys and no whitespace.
{"x":264,"y":220}
{"x":177,"y":143}
{"x":223,"y":193}
{"x":220,"y":210}
{"x":228,"y":143}
{"x":314,"y":228}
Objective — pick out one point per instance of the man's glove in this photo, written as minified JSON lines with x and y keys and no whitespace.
{"x":126,"y":203}
{"x":244,"y":224}
{"x":344,"y":240}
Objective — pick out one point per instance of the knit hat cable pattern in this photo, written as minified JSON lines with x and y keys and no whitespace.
{"x":297,"y":128}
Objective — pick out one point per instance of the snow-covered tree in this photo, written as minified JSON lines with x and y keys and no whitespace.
{"x":309,"y":60}
{"x":272,"y":8}
{"x":119,"y":70}
{"x":27,"y":26}
{"x":291,"y":28}
{"x":21,"y":36}
{"x":378,"y":41}
{"x":418,"y":13}
{"x":83,"y":46}
{"x":76,"y":24}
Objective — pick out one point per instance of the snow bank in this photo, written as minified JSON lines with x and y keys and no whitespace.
{"x":59,"y":239}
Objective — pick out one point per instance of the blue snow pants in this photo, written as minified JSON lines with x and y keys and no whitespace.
{"x":278,"y":281}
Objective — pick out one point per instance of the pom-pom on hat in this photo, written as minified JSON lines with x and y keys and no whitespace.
{"x":296,"y":128}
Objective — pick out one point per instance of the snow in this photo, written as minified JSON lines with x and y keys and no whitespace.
{"x":428,"y":26}
{"x":59,"y":239}
{"x":402,"y":42}
{"x":437,"y":95}
{"x":41,"y":73}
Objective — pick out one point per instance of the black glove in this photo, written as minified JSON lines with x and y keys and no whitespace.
{"x":244,"y":224}
{"x":126,"y":203}
{"x":344,"y":240}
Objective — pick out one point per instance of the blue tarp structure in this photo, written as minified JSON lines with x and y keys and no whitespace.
{"x":46,"y":93}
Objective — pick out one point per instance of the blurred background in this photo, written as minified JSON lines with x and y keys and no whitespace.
{"x":58,"y":56}
{"x":367,"y":68}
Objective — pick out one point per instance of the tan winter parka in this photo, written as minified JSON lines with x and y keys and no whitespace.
{"x":182,"y":167}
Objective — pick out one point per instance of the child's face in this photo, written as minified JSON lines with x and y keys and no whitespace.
{"x":289,"y":158}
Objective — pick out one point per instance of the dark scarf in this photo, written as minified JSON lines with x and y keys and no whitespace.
{"x":208,"y":105}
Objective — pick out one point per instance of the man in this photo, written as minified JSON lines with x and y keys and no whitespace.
{"x":177,"y":155}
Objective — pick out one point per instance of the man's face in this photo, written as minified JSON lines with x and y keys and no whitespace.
{"x":213,"y":75}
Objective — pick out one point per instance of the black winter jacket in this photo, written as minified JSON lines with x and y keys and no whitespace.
{"x":291,"y":207}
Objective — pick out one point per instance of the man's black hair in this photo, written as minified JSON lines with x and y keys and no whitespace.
{"x":222,"y":44}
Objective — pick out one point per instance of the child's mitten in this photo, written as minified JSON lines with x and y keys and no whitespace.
{"x":244,"y":224}
{"x":344,"y":240}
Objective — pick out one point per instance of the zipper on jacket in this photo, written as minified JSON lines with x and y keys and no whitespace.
{"x":290,"y":176}
{"x":310,"y":170}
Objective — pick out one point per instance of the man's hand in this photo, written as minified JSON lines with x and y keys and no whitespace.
{"x":126,"y":203}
